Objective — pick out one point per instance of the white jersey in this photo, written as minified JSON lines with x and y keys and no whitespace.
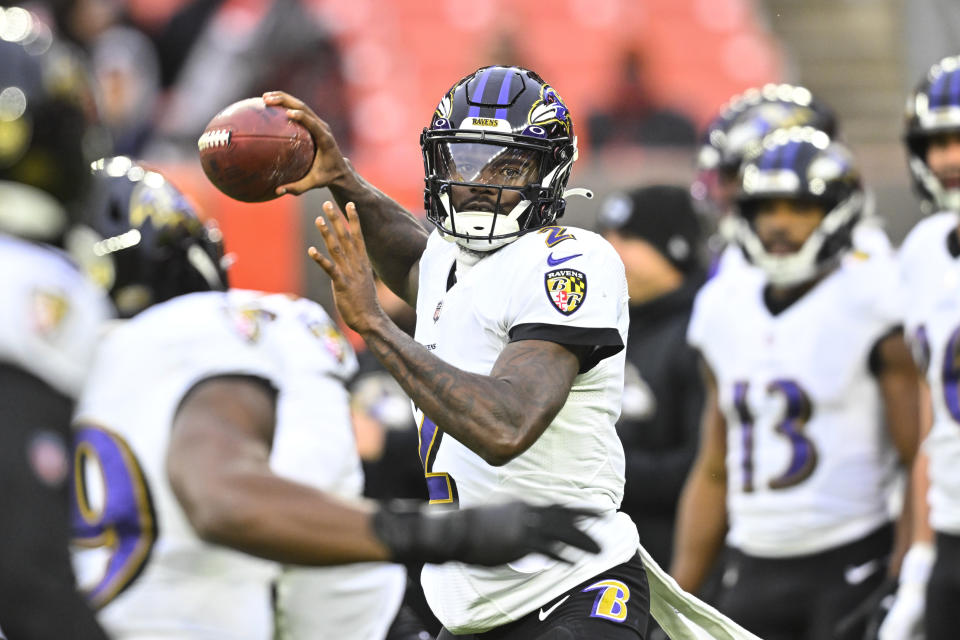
{"x":931,"y":289}
{"x":809,"y":460}
{"x":561,"y":284}
{"x":50,"y":314}
{"x":150,"y":573}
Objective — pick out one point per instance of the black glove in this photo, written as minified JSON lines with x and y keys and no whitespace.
{"x":490,"y":535}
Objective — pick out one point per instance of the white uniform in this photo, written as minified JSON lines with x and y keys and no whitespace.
{"x":151,"y":574}
{"x":931,"y":284}
{"x":563,"y":284}
{"x":809,"y":460}
{"x":50,"y":316}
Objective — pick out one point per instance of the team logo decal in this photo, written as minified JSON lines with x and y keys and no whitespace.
{"x":548,"y":109}
{"x":49,"y":311}
{"x":247,"y":320}
{"x":611,"y":602}
{"x":331,"y":338}
{"x":162,"y":205}
{"x":567,"y":289}
{"x":436,"y":312}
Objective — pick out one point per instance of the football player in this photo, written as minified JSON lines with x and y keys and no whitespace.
{"x":811,"y":398}
{"x":220,"y":416}
{"x":516,"y":369}
{"x":50,"y":315}
{"x":930,"y":579}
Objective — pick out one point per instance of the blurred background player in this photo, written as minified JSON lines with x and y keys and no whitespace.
{"x":656,"y":233}
{"x":221,"y":416}
{"x":811,"y":396}
{"x":929,"y":589}
{"x":735,"y":131}
{"x":50,"y":317}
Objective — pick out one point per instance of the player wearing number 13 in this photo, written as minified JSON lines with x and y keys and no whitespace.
{"x":804,"y":357}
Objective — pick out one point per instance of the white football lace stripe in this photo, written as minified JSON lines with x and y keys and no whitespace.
{"x":214,"y":138}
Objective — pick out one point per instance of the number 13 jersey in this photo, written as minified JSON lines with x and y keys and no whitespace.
{"x":809,"y":460}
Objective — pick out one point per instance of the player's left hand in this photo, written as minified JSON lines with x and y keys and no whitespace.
{"x":348,"y":267}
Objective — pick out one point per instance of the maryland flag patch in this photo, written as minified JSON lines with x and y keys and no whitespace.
{"x":566,"y":288}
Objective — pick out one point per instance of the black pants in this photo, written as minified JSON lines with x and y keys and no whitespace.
{"x":38,"y":596}
{"x":804,"y":597}
{"x":618,"y":609}
{"x":942,"y":618}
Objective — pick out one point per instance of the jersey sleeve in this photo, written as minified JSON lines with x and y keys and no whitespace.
{"x":880,"y":287}
{"x":579,"y":303}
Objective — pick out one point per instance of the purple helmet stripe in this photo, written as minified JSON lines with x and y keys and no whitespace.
{"x":504,"y":93}
{"x":769,"y":159}
{"x":938,"y":94}
{"x":954,"y":89}
{"x":790,"y":154}
{"x":478,"y":95}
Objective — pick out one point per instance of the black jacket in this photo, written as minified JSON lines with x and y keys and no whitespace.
{"x":660,"y":420}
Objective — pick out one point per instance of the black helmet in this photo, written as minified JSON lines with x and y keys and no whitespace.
{"x":151,"y":242}
{"x":497,"y":156}
{"x":801,"y":163}
{"x":743,"y":123}
{"x":49,"y":131}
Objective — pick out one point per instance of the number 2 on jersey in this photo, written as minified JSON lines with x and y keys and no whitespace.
{"x":441,"y":488}
{"x":797,"y":411}
{"x":115,"y":512}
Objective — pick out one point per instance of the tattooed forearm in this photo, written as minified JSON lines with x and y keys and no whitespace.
{"x":497,"y":416}
{"x":395,"y":240}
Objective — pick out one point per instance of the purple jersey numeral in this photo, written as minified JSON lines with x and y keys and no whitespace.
{"x":746,"y":438}
{"x":951,"y":375}
{"x":803,"y":452}
{"x":122,"y":520}
{"x":803,"y":458}
{"x":441,"y":488}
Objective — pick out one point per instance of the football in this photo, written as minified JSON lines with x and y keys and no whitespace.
{"x":249,"y":149}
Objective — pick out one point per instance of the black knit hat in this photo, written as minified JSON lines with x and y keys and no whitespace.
{"x":663,"y":215}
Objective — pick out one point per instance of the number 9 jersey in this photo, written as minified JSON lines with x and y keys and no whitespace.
{"x":138,"y":558}
{"x":930,"y":275}
{"x":809,"y":461}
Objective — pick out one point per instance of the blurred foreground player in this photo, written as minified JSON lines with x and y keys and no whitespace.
{"x":220,"y":416}
{"x":516,"y":369}
{"x":811,"y":396}
{"x":50,"y":317}
{"x":929,"y":589}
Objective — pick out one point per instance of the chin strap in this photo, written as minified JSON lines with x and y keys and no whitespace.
{"x":578,"y":191}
